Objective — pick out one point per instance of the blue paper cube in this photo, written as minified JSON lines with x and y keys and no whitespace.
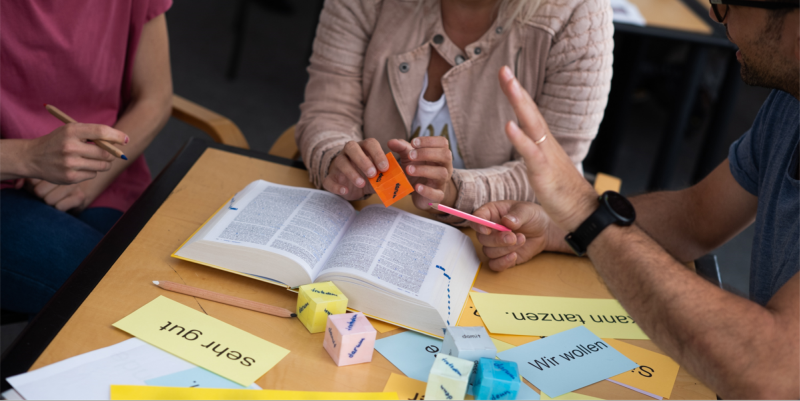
{"x":496,"y":380}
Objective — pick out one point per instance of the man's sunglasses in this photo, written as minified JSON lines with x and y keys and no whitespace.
{"x":720,"y":7}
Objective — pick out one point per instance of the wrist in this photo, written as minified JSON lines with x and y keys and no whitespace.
{"x":450,"y":193}
{"x":586,"y":205}
{"x":16,"y":163}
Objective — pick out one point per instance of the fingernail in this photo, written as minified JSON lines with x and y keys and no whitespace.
{"x":415,"y":141}
{"x":412,"y":155}
{"x":419,"y":188}
{"x":343,"y":191}
{"x":383,"y":166}
{"x":411,"y":169}
{"x":360,"y":182}
{"x":508,"y":238}
{"x":512,"y":219}
{"x":485,"y":231}
{"x":515,"y":86}
{"x":127,"y":139}
{"x":371,"y":172}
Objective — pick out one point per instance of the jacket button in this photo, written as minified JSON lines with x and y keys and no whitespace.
{"x":404,"y":67}
{"x":499,"y":29}
{"x":477,"y":50}
{"x":438,"y":39}
{"x":459,"y":59}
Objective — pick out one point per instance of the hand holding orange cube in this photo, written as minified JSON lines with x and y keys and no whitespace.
{"x":392,"y":185}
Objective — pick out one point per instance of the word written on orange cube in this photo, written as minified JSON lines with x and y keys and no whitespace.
{"x":391,"y":185}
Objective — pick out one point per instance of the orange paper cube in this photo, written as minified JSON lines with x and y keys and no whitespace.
{"x":392,"y":185}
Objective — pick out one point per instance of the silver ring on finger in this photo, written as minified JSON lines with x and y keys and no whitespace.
{"x":540,"y":140}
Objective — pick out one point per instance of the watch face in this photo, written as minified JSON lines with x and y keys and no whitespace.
{"x":620,"y":205}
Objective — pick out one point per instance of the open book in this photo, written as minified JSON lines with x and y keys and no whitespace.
{"x":391,"y":265}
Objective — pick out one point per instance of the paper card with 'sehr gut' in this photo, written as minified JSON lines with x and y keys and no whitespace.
{"x":529,"y":315}
{"x":391,"y":185}
{"x":203,"y":340}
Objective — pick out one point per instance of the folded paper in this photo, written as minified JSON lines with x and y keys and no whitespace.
{"x":545,"y":316}
{"x":656,"y":373}
{"x":567,"y":361}
{"x":203,"y":340}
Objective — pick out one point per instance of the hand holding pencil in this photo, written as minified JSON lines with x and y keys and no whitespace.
{"x":65,"y":157}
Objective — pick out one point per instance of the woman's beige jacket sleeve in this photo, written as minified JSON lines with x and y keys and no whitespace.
{"x":332,"y":113}
{"x":572,"y":101}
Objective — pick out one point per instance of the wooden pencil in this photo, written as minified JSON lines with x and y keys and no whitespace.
{"x":102,"y":144}
{"x":225,"y":299}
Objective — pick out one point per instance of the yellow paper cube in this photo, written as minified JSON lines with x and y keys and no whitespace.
{"x":317,"y":301}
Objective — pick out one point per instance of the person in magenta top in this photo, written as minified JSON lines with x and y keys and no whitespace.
{"x":105,"y":64}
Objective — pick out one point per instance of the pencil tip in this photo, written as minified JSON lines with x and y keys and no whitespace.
{"x":45,"y":105}
{"x":155,"y":282}
{"x":294,"y":315}
{"x":123,"y":157}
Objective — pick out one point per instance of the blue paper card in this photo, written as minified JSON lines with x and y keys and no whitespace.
{"x":411,"y":352}
{"x":567,"y":361}
{"x":195,"y":377}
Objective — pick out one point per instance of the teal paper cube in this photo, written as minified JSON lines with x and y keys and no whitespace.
{"x":496,"y":380}
{"x":449,"y":378}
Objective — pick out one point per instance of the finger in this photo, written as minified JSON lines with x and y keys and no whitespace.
{"x":375,"y":152}
{"x":92,"y":151}
{"x":359,"y":159}
{"x":432,"y":194}
{"x":441,"y":156}
{"x":57,"y":194}
{"x":437,"y":173}
{"x":430,"y":142}
{"x":94,"y":132}
{"x":530,"y":151}
{"x":43,"y":188}
{"x":527,"y":215}
{"x":19,"y":183}
{"x":348,"y":171}
{"x":498,"y":239}
{"x":81,"y":164}
{"x":503,"y":263}
{"x":524,"y":107}
{"x":494,"y":253}
{"x":400,"y":146}
{"x":330,"y":185}
{"x":70,"y":202}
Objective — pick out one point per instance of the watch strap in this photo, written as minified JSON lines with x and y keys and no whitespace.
{"x":580,"y":239}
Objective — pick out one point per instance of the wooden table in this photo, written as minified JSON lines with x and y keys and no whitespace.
{"x":137,"y":251}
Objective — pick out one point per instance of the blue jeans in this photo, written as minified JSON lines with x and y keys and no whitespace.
{"x":40,"y":247}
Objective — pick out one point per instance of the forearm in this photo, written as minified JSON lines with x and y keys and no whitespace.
{"x":728,"y":342}
{"x":142,"y":121}
{"x":12,"y":160}
{"x":668,"y":218}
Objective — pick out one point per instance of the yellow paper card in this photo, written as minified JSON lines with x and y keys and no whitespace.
{"x":545,"y":316}
{"x":568,"y":396}
{"x":203,"y":340}
{"x":656,"y":373}
{"x":500,"y":345}
{"x":405,"y":387}
{"x":471,"y":318}
{"x":193,"y":393}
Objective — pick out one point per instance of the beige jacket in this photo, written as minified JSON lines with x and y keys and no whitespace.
{"x":370,"y":58}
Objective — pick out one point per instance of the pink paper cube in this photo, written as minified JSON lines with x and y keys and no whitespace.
{"x":349,"y":338}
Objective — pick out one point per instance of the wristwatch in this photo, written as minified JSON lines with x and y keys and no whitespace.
{"x":614,"y":209}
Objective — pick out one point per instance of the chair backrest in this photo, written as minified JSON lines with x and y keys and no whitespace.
{"x":220,"y":128}
{"x":285,"y":146}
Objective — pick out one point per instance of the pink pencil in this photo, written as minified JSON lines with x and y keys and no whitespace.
{"x":467,"y":216}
